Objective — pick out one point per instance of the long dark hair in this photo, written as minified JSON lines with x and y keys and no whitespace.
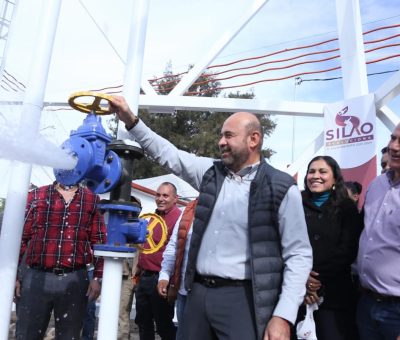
{"x":338,"y":191}
{"x":354,"y":187}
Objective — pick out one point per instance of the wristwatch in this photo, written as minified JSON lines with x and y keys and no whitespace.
{"x":133,"y":124}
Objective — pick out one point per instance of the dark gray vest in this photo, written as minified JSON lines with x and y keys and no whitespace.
{"x":267,"y":191}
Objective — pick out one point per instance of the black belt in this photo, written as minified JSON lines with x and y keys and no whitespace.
{"x":146,"y":272}
{"x":380,"y":297}
{"x":59,"y":271}
{"x":215,"y":281}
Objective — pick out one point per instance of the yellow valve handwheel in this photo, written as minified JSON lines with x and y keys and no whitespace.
{"x":80,"y":101}
{"x":155,"y":220}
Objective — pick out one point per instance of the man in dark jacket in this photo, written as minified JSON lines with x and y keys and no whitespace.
{"x":249,"y":254}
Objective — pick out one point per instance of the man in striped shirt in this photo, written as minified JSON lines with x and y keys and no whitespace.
{"x":62,"y":224}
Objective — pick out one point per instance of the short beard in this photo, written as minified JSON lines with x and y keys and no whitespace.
{"x":235,"y":161}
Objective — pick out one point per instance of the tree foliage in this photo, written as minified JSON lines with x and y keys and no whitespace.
{"x":192,"y":131}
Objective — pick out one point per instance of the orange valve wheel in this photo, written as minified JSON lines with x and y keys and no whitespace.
{"x":90,"y":102}
{"x":154,"y":222}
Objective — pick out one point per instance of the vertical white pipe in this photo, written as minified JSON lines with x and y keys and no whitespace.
{"x":134,"y":60}
{"x":10,"y":238}
{"x":112,"y":275}
{"x":110,"y":297}
{"x":351,"y":43}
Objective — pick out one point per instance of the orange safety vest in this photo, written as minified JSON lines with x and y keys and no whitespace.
{"x":184,"y":226}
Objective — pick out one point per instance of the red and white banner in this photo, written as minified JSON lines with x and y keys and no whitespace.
{"x":350,"y":137}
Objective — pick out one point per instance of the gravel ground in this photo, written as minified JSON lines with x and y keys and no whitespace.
{"x":50,"y":331}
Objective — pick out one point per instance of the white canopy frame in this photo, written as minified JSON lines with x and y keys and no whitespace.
{"x":354,"y":84}
{"x":353,"y":71}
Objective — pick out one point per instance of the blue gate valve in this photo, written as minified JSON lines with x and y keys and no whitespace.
{"x":106,"y":166}
{"x":123,"y":227}
{"x":101,"y":168}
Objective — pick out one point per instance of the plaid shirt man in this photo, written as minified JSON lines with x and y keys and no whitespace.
{"x":62,"y":234}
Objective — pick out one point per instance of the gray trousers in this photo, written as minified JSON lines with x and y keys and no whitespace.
{"x":224,"y":313}
{"x":42,"y":293}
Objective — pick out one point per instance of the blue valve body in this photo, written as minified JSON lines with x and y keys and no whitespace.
{"x":101,"y":168}
{"x":106,"y":171}
{"x":124,"y":226}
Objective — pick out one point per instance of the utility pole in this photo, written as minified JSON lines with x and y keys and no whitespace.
{"x":297,"y":82}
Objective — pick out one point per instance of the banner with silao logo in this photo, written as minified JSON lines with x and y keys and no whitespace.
{"x":350,"y":137}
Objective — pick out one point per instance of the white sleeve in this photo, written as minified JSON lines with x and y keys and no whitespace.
{"x":188,"y":166}
{"x":168,"y":261}
{"x":296,"y":253}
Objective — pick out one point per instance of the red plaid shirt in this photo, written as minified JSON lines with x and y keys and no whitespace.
{"x":61,"y":234}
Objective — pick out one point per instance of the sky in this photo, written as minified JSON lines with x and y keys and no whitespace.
{"x":92,"y":38}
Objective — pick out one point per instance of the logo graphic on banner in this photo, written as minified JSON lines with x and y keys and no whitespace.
{"x":350,"y":131}
{"x":342,"y":120}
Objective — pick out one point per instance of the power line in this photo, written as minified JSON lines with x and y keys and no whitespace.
{"x":174,"y":78}
{"x":303,"y":38}
{"x":335,"y":78}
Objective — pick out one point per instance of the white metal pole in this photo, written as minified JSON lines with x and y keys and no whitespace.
{"x":388,"y":118}
{"x":188,"y":79}
{"x":13,"y":220}
{"x":112,"y":275}
{"x":351,"y":45}
{"x":110,"y":296}
{"x":134,"y":60}
{"x":384,"y":94}
{"x":9,"y":35}
{"x":297,"y":81}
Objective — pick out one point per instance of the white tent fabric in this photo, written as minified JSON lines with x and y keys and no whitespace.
{"x":185,"y":190}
